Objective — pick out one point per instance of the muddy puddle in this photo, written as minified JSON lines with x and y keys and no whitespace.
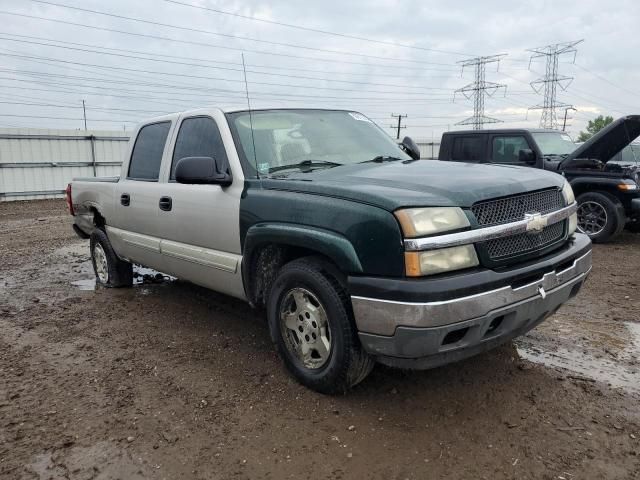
{"x":620,"y":371}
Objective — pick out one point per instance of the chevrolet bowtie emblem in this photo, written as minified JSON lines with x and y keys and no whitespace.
{"x":535,"y":222}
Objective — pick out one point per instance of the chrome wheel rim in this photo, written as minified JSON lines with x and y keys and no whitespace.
{"x":305,"y":328}
{"x":102,"y":266}
{"x":592,"y":217}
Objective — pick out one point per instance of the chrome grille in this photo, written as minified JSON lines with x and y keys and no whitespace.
{"x":524,"y":242}
{"x":512,"y":209}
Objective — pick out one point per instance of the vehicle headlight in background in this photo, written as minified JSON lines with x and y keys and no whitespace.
{"x":437,"y":261}
{"x":417,"y":222}
{"x":567,"y":193}
{"x":628,"y":186}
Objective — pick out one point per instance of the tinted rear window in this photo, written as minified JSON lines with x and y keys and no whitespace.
{"x":467,"y":149}
{"x":147,"y":151}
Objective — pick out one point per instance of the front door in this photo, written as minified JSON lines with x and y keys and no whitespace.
{"x":506,"y":149}
{"x":201,"y":241}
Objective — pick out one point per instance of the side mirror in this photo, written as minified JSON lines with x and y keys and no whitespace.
{"x":410,"y":148}
{"x":201,"y":170}
{"x":527,"y":156}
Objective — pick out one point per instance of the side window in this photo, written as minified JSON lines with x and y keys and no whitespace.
{"x":467,"y":149}
{"x":507,"y":149}
{"x":147,"y":152}
{"x":198,"y":137}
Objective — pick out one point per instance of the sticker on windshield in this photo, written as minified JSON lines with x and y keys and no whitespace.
{"x":263,"y":167}
{"x":359,"y":116}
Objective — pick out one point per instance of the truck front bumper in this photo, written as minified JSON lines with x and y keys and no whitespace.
{"x":429,"y":322}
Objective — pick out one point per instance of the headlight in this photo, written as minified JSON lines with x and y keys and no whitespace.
{"x":417,"y":222}
{"x":438,"y":261}
{"x":567,"y":193}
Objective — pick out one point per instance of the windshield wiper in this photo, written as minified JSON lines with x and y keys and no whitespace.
{"x":383,"y":158}
{"x":305,"y":164}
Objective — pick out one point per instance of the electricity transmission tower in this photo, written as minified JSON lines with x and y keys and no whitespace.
{"x":479,"y":89}
{"x":549,"y":83}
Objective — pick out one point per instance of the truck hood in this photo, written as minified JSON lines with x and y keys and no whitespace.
{"x":608,"y":142}
{"x":419,"y":183}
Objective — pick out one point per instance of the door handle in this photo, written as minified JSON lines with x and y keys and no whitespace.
{"x":165,"y":204}
{"x":125,"y":199}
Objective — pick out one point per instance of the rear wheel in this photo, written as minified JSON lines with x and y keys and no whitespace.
{"x":312,"y":327}
{"x":600,"y":215}
{"x":109,"y":269}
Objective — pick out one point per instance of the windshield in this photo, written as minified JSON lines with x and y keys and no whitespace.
{"x":320,"y":138}
{"x":554,"y":143}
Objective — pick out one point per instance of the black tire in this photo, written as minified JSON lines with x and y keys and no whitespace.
{"x":119,"y":272}
{"x":347,"y":364}
{"x":615,"y":217}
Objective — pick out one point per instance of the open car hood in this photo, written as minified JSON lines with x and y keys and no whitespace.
{"x":609,"y":141}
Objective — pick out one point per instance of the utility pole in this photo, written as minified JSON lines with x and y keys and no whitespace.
{"x":479,"y":89}
{"x":549,"y":83}
{"x":399,"y":126}
{"x":564,"y":123}
{"x":84,"y":112}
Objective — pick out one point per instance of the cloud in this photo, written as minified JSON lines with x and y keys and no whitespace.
{"x":375,"y":78}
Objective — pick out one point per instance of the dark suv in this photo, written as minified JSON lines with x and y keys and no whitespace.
{"x":607,"y":191}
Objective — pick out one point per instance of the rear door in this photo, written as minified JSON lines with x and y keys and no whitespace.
{"x":201,"y":230}
{"x":468,"y":148}
{"x":134,"y":230}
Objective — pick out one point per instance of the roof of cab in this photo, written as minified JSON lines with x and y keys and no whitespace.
{"x":501,"y":131}
{"x":232,"y":109}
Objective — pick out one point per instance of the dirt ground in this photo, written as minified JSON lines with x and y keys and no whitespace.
{"x":167,"y":380}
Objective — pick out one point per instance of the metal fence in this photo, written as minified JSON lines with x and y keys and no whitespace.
{"x":428,"y":150}
{"x":37,"y":163}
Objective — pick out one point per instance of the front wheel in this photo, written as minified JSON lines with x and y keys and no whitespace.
{"x":600,"y":216}
{"x":109,"y":269}
{"x":312,"y":327}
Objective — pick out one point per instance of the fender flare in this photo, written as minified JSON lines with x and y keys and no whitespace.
{"x":330,"y":244}
{"x":606,"y":184}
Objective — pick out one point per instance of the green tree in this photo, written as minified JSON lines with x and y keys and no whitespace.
{"x":594,"y":126}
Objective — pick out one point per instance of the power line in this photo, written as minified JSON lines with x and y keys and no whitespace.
{"x":88,"y":107}
{"x":196,"y":65}
{"x":606,"y":80}
{"x":193,"y":59}
{"x":479,"y":89}
{"x":209,"y":45}
{"x":143,"y":94}
{"x":315,"y":30}
{"x":551,"y":81}
{"x":227,"y":35}
{"x":65,"y":118}
{"x":203,"y":77}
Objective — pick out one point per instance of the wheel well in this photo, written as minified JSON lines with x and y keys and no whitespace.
{"x":98,"y":220}
{"x":265,"y":261}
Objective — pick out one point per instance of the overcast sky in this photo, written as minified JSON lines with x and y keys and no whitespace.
{"x":406,"y":61}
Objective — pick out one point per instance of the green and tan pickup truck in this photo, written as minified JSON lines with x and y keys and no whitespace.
{"x":358,"y":251}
